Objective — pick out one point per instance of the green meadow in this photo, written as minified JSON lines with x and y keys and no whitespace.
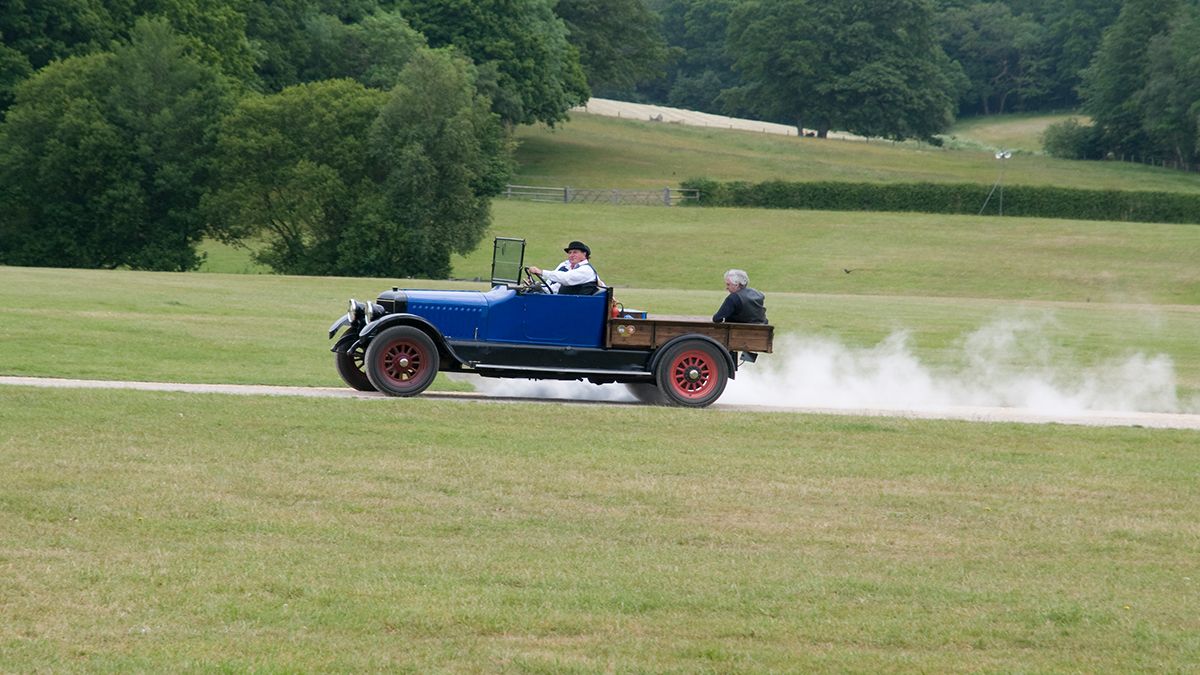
{"x":1017,"y":132}
{"x":168,"y":532}
{"x":591,"y":151}
{"x":150,"y":531}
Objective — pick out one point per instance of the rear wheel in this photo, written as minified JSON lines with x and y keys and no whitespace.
{"x":402,"y":361}
{"x":692,"y":373}
{"x":350,"y":365}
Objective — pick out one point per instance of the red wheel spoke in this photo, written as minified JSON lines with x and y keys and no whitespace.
{"x":403,"y":361}
{"x":692,"y":373}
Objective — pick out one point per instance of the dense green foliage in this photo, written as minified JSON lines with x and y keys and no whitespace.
{"x":1012,"y":54}
{"x":103,"y":166}
{"x":968,"y":198}
{"x":872,"y":69}
{"x":109,"y":117}
{"x":340,"y":179}
{"x":104,"y":158}
{"x":619,"y":42}
{"x":526,"y":64}
{"x":1143,"y":88}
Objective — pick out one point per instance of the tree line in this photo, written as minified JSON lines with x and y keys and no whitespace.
{"x":367,"y":136}
{"x":350,"y":137}
{"x":906,"y":68}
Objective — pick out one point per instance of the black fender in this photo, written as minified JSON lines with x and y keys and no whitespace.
{"x":369,"y":331}
{"x":345,"y":344}
{"x":721,"y":349}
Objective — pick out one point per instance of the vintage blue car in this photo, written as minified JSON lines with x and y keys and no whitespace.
{"x":519,"y":329}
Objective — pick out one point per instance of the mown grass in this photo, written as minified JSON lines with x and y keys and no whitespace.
{"x":590,"y":151}
{"x":1099,"y":298}
{"x":162,"y":532}
{"x":1017,"y":131}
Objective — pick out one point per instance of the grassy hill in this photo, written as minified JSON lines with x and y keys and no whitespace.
{"x":1018,"y":131}
{"x":591,"y":151}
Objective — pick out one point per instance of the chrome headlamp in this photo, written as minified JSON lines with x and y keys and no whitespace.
{"x":356,"y":310}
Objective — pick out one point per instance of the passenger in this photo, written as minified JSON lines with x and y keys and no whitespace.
{"x":575,"y":276}
{"x":743,"y":304}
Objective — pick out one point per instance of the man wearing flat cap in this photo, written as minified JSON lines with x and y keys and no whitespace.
{"x":575,"y":275}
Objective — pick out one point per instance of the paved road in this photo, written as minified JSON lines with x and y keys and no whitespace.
{"x":971,"y":414}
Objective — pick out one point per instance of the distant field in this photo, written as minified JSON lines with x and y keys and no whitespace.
{"x":1109,"y":290}
{"x":1006,"y":132}
{"x":888,"y":254}
{"x":591,"y":151}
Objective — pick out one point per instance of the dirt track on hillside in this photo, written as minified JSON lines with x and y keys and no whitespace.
{"x":969,"y":414}
{"x":657,"y":113}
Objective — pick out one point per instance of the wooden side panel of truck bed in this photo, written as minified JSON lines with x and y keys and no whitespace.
{"x":653,"y":332}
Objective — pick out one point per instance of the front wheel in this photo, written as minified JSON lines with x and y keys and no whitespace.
{"x":351,"y":367}
{"x":401,"y":361}
{"x":692,"y":373}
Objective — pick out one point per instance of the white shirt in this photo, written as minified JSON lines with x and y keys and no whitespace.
{"x":565,"y":276}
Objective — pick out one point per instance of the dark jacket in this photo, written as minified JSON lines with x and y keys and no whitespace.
{"x":745,"y":306}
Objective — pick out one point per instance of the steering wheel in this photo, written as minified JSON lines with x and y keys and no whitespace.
{"x":535,"y":283}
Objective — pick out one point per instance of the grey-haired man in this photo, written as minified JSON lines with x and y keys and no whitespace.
{"x":743,"y":304}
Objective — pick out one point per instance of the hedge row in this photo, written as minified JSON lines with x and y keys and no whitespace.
{"x":962,"y":198}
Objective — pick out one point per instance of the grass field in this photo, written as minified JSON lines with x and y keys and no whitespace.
{"x":163,"y":532}
{"x":590,"y":151}
{"x":1006,"y":132}
{"x":153,"y":532}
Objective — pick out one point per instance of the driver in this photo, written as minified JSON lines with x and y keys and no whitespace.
{"x":575,"y":276}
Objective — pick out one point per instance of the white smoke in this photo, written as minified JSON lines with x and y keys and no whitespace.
{"x":565,"y":389}
{"x":1008,"y":363}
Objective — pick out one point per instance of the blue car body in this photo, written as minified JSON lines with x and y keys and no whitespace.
{"x":505,"y":315}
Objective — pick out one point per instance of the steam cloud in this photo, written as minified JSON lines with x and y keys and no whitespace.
{"x":1008,"y":364}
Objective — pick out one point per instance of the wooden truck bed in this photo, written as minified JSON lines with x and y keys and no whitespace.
{"x":654,"y":331}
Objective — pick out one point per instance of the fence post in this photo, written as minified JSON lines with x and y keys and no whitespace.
{"x":615,"y":198}
{"x":666,"y":196}
{"x":567,"y":195}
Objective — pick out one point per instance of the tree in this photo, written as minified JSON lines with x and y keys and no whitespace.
{"x":294,"y":169}
{"x":872,"y":68}
{"x":341,"y":179}
{"x":373,"y":51}
{"x":1170,"y":100}
{"x":1111,"y":84}
{"x":998,"y":53}
{"x":701,"y":68}
{"x":34,"y":33}
{"x":1070,"y":35}
{"x":525,"y":63}
{"x":442,"y":154}
{"x":104,"y":158}
{"x":618,"y":41}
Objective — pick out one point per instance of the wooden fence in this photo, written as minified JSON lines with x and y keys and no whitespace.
{"x":571,"y":195}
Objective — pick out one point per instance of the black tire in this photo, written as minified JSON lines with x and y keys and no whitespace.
{"x":402,"y":361}
{"x":646,"y":392}
{"x":350,"y":365}
{"x":692,"y":373}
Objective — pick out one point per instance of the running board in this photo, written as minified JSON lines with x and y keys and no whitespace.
{"x":580,"y":371}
